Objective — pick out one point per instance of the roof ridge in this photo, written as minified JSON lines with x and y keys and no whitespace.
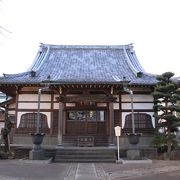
{"x":100,"y":46}
{"x":40,"y":57}
{"x":130,"y":64}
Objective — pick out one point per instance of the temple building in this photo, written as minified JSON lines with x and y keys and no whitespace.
{"x":78,"y":91}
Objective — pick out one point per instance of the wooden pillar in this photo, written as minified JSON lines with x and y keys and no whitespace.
{"x":111,"y":124}
{"x":60,"y":119}
{"x":155,"y":118}
{"x":16,"y":107}
{"x":120,"y":110}
{"x":60,"y":124}
{"x":52,"y":107}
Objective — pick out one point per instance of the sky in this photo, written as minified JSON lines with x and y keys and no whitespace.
{"x":153,"y":26}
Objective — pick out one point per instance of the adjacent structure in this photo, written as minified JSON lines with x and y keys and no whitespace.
{"x":2,"y":114}
{"x":84,"y":98}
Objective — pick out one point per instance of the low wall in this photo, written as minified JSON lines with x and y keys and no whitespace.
{"x":22,"y":152}
{"x":145,"y":141}
{"x":27,"y":140}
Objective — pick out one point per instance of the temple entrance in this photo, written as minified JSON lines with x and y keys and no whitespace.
{"x":86,"y":115}
{"x":86,"y":122}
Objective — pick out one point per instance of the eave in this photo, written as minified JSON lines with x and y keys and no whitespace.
{"x":7,"y":102}
{"x":12,"y":89}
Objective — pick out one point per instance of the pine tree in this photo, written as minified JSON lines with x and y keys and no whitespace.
{"x":166,"y":97}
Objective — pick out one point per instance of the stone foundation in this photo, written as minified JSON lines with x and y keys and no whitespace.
{"x":134,"y":154}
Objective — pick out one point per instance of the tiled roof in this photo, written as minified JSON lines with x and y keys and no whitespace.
{"x":73,"y":64}
{"x":176,"y":80}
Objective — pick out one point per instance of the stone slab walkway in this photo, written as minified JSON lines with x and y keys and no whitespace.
{"x":130,"y":171}
{"x":85,"y":171}
{"x":113,"y":171}
{"x":33,"y":170}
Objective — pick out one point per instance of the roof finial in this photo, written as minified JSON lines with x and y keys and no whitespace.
{"x":33,"y":73}
{"x":48,"y":77}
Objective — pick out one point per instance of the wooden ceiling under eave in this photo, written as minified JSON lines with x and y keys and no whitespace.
{"x":9,"y":90}
{"x":12,"y":89}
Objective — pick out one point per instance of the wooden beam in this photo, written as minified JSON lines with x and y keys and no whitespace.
{"x":87,"y":98}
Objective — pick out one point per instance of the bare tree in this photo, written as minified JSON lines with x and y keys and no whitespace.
{"x":3,"y":31}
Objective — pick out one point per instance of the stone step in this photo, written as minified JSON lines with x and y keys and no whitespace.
{"x":85,"y":155}
{"x":84,"y":152}
{"x":85,"y":160}
{"x":107,"y":156}
{"x":99,"y":140}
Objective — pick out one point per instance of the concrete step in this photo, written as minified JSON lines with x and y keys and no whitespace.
{"x":84,"y":152}
{"x":85,"y":155}
{"x":72,"y":140}
{"x":85,"y":160}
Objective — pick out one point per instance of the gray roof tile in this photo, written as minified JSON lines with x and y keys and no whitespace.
{"x":83,"y":64}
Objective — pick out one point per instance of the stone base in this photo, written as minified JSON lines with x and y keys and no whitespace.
{"x":143,"y":161}
{"x":36,"y":154}
{"x":119,"y":161}
{"x":134,"y":154}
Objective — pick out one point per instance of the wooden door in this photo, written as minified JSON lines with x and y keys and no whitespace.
{"x":86,"y":122}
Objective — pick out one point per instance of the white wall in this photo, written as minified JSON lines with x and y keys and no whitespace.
{"x":101,"y":104}
{"x":116,"y":105}
{"x":26,"y":102}
{"x":34,"y":97}
{"x":137,"y":97}
{"x":138,"y":100}
{"x":34,"y":105}
{"x":138,"y":105}
{"x":1,"y":126}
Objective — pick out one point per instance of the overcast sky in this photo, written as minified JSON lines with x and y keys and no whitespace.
{"x":153,"y":26}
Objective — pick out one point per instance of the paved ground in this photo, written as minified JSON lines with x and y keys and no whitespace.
{"x":37,"y":170}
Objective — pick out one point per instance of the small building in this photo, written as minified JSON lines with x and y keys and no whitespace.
{"x":2,"y":97}
{"x":82,"y":95}
{"x":2,"y":117}
{"x":2,"y":114}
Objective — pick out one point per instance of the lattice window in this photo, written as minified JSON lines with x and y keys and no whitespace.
{"x":142,"y":121}
{"x":29,"y":120}
{"x":91,"y":116}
